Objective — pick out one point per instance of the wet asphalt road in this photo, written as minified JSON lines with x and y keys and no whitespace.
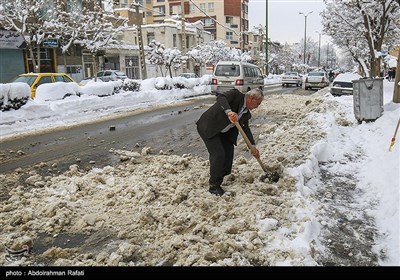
{"x":171,"y":130}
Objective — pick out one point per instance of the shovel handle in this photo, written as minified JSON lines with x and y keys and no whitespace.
{"x":249,"y":145}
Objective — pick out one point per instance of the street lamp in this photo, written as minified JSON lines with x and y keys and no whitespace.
{"x":319,"y":48}
{"x":305,"y":34}
{"x":327,"y":54}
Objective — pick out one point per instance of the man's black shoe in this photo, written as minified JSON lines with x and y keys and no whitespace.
{"x":217,"y":190}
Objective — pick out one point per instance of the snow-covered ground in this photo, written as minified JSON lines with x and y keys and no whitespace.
{"x":154,"y":209}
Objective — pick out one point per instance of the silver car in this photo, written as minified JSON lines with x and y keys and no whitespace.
{"x":111,"y":75}
{"x":343,"y":84}
{"x":236,"y":74}
{"x":291,"y":78}
{"x":316,"y":79}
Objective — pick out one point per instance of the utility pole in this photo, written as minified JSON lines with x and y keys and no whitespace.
{"x":183,"y":34}
{"x":139,"y":20}
{"x":396,"y":90}
{"x":305,"y":34}
{"x":260,"y":41}
{"x":327,"y":54}
{"x":319,"y":48}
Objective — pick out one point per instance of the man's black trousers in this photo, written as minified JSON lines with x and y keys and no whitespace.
{"x":221,"y":151}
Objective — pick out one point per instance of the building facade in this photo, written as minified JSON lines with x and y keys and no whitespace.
{"x":226,"y":20}
{"x":167,"y":31}
{"x":127,"y":57}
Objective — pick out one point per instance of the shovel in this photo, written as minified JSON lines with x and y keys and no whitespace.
{"x":272,"y":176}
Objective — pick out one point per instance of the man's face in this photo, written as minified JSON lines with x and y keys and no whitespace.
{"x":253,"y":102}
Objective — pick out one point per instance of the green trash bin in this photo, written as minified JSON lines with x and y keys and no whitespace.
{"x":368,"y":99}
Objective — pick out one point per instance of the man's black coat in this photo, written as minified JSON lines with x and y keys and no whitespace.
{"x":215,"y":119}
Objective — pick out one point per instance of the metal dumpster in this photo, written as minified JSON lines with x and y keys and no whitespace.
{"x":368,"y":99}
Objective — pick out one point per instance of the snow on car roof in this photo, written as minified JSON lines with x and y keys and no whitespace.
{"x":347,"y":77}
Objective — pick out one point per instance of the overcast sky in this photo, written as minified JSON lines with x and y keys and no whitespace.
{"x":285,"y":22}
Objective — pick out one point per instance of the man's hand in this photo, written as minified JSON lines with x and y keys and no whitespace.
{"x":233,"y":117}
{"x":255,"y":152}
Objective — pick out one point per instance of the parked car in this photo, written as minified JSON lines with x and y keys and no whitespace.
{"x":291,"y":78}
{"x":188,"y":75}
{"x":343,"y":83}
{"x":36,"y":79}
{"x":316,"y":79}
{"x":235,"y":74}
{"x":111,"y":75}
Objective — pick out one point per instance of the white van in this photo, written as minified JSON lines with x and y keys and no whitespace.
{"x":235,"y":74}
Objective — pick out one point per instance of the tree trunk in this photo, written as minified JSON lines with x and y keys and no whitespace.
{"x":396,"y":91}
{"x":170,"y":71}
{"x":30,"y":47}
{"x":65,"y":63}
{"x":94,"y":66}
{"x":375,"y":68}
{"x":38,"y":59}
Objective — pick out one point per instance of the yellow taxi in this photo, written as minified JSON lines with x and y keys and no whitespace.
{"x":36,"y":79}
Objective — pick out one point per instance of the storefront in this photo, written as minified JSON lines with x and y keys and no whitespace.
{"x":11,"y":55}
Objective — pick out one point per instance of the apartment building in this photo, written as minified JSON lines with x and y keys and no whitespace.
{"x":256,"y":46}
{"x":167,"y":31}
{"x":226,"y":20}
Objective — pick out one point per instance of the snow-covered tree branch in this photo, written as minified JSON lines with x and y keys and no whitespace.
{"x":362,"y":27}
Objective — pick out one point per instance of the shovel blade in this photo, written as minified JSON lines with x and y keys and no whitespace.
{"x":270,"y":176}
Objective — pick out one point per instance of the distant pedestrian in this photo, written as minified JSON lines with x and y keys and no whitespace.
{"x":391,"y":74}
{"x":331,"y":76}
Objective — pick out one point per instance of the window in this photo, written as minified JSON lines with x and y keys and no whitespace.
{"x":160,"y":10}
{"x":124,"y":4}
{"x":44,"y":80}
{"x":174,"y":40}
{"x":229,"y":19}
{"x":176,"y":9}
{"x":208,"y":22}
{"x":192,"y":8}
{"x":247,"y":71}
{"x":210,"y":7}
{"x":62,"y":79}
{"x":73,"y":69}
{"x":227,"y":70}
{"x":245,"y":24}
{"x":229,"y":35}
{"x":150,"y":37}
{"x":132,"y":67}
{"x":245,"y":8}
{"x":203,"y":6}
{"x":259,"y":74}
